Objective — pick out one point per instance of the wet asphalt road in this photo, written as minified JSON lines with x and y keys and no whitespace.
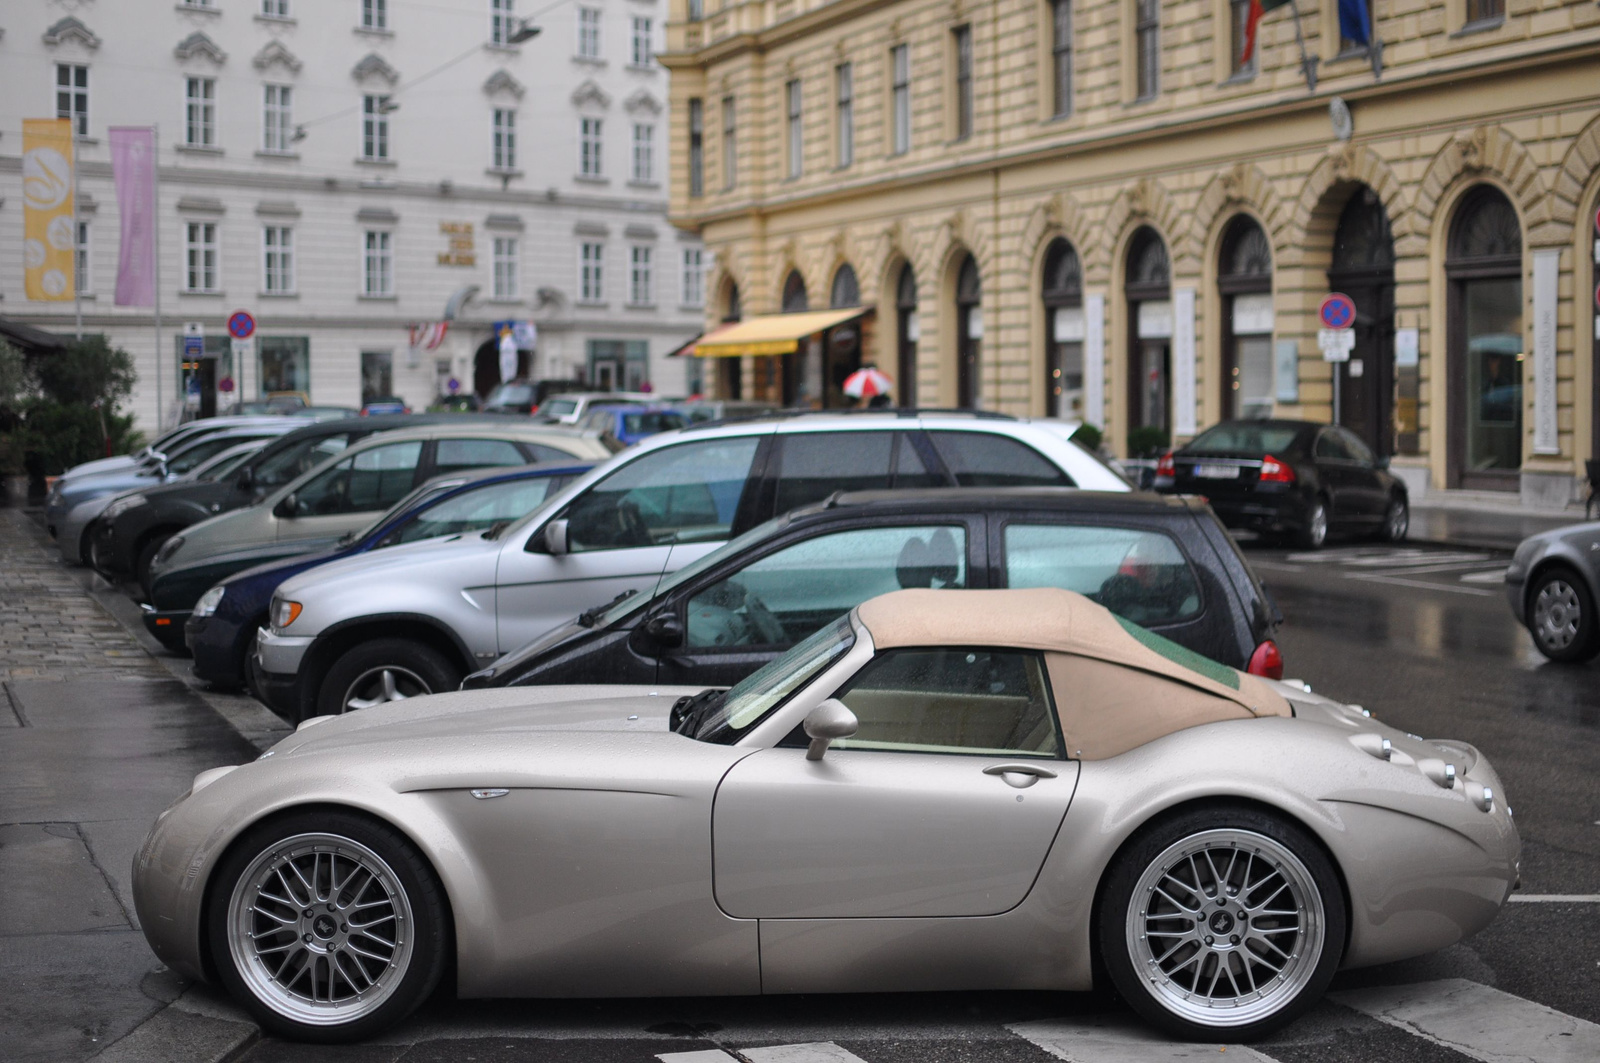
{"x":1423,"y":638}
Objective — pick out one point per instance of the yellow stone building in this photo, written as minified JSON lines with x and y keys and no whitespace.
{"x":1099,"y":208}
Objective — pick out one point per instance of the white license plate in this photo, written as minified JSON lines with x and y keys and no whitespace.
{"x":1216,"y":472}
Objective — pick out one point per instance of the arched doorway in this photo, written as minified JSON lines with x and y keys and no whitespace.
{"x":1148,"y":287}
{"x":841,"y":345}
{"x":907,"y":330}
{"x":1363,"y":269}
{"x":730,"y":371}
{"x":1063,"y":330}
{"x":1244,"y":281}
{"x":486,"y":366}
{"x":969,"y":332}
{"x":1483,"y":266}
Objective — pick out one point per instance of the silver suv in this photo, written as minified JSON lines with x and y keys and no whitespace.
{"x":414,"y":619}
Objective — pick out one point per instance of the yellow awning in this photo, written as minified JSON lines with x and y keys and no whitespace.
{"x":772,"y":333}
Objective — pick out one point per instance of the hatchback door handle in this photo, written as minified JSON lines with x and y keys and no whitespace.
{"x":1020,"y":775}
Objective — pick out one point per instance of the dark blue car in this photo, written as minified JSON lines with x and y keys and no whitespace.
{"x":221,"y":630}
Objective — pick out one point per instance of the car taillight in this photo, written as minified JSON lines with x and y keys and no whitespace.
{"x":1266,"y":662}
{"x":1166,"y":466}
{"x":1274,"y":471}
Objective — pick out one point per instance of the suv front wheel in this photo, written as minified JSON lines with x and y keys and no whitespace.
{"x":385,"y":670}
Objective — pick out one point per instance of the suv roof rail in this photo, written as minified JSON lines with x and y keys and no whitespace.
{"x":878,"y":411}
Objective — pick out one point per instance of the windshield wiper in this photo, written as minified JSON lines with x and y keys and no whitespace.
{"x":493,"y":531}
{"x":686,"y":712}
{"x":347,"y":538}
{"x":589,"y":616}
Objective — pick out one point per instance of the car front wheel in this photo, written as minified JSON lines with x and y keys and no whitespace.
{"x":383,"y":670}
{"x":1314,"y":532}
{"x":1222,"y":924}
{"x":1561,"y":617}
{"x":327,"y":926}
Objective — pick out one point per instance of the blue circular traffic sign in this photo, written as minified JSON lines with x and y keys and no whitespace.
{"x":241,"y":326}
{"x":1338,"y":311}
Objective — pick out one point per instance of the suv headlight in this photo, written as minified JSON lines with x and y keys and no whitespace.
{"x":207,"y":605}
{"x":122,"y":505}
{"x":284,"y":613}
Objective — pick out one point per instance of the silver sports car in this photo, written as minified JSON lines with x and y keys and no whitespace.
{"x":942,"y":790}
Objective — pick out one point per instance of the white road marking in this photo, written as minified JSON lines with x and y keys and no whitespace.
{"x":1494,"y":575}
{"x":1480,"y":1022}
{"x":1122,"y":1041}
{"x":1556,"y":898}
{"x":816,"y":1052}
{"x":1396,"y":581}
{"x":707,"y":1055}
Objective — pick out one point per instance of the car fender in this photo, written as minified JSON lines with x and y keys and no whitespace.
{"x":1561,"y":551}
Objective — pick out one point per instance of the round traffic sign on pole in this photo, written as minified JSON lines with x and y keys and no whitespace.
{"x":1338,"y":310}
{"x":241,"y":326}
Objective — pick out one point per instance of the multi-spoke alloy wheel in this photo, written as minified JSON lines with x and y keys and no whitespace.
{"x":328,"y":925}
{"x":1561,"y":616}
{"x":321,"y":928}
{"x":1225,"y":923}
{"x":379,"y":685}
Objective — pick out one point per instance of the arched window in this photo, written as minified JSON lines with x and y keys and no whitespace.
{"x":1244,"y":280}
{"x":846,"y":292}
{"x":731,"y":309}
{"x":1064,"y":330}
{"x":969,"y":332}
{"x":1147,"y":287}
{"x":907,"y":330}
{"x":1368,"y":384}
{"x":1484,"y":266}
{"x":794,"y":293}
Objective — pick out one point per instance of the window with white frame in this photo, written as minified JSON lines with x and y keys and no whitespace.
{"x":591,"y":272}
{"x":377,"y":263}
{"x":844,"y":83}
{"x":275,"y":8}
{"x":505,"y":139}
{"x":277,"y":259}
{"x":374,"y":14}
{"x":644,"y":152}
{"x":900,"y":97}
{"x":72,"y":96}
{"x":505,"y":267}
{"x":277,"y":126}
{"x":643,"y":48}
{"x":81,"y":260}
{"x":502,"y":24}
{"x":200,"y":112}
{"x":589,"y":145}
{"x":795,"y":128}
{"x":589,"y":33}
{"x":200,"y":256}
{"x":694,"y":277}
{"x":374,"y":128}
{"x":641,"y":287}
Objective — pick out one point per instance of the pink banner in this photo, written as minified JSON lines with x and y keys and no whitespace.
{"x":133,"y":164}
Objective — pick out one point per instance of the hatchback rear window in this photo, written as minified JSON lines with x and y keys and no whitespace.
{"x":1139,"y":575}
{"x":1240,"y":437}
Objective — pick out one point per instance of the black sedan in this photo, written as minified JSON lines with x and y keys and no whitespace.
{"x":1165,"y":564}
{"x":1296,"y":479}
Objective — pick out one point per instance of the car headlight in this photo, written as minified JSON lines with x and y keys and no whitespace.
{"x":209,"y":601}
{"x":122,"y":505}
{"x":168,"y":548}
{"x":284,"y":613}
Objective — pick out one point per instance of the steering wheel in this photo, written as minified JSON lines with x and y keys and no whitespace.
{"x":767,"y":627}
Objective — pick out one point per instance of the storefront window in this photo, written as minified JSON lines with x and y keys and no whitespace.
{"x":1149,"y":294}
{"x":619,"y":365}
{"x":285,"y":365}
{"x":377,"y":376}
{"x":1064,"y":331}
{"x":1485,"y":270}
{"x":1245,"y":283}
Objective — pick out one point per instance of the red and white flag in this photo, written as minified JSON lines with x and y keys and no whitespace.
{"x":429,"y":334}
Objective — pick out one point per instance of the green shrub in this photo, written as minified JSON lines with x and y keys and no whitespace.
{"x":1087,"y":436}
{"x":1148,"y":441}
{"x":61,"y":408}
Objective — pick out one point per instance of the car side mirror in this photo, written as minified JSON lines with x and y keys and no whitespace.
{"x":827,"y":723}
{"x":246,"y":480}
{"x":287,"y":507}
{"x":555,"y":539}
{"x":1383,"y":462}
{"x":161,"y":467}
{"x":665,"y":630}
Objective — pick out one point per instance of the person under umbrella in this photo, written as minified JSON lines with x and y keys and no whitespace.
{"x":869,"y":384}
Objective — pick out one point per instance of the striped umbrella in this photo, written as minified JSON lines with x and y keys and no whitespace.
{"x":867,"y":382}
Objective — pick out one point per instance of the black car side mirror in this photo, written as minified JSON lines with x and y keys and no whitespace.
{"x":1383,"y":462}
{"x":246,"y":479}
{"x":665,"y":630}
{"x":288,"y":507}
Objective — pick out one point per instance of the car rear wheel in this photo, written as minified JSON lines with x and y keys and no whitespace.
{"x":1314,"y":532}
{"x":327,"y":926}
{"x":384,"y":670}
{"x":1396,"y":521}
{"x":1561,"y":616}
{"x":1222,"y":923}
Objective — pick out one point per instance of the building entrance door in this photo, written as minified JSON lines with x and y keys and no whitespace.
{"x":1363,"y":269}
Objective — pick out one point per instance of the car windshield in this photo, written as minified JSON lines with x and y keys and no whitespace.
{"x":1244,"y":437}
{"x":648,"y":423}
{"x":735,"y":712}
{"x":688,"y":572}
{"x":511,"y":395}
{"x":224,"y":463}
{"x":409,"y":502}
{"x":559,"y":407}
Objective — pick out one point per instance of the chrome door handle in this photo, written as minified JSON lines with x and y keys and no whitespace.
{"x":1021,"y":776}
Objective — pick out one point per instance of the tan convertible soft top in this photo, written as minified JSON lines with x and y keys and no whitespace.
{"x":1057,"y":622}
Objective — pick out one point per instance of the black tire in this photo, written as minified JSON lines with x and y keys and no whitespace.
{"x":86,"y":546}
{"x":1396,"y":521}
{"x":414,"y":668}
{"x":1314,"y":532}
{"x":1123,"y":920}
{"x":259,"y":988}
{"x":1561,"y":616}
{"x":143,"y":559}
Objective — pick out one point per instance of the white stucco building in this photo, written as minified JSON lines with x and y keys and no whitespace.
{"x":345,"y":169}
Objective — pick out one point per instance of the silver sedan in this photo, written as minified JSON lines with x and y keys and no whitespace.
{"x":942,"y":790}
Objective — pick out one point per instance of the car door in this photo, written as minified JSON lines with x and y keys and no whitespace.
{"x":275,"y":469}
{"x":621,"y":531}
{"x":737,"y":620}
{"x":944,"y":803}
{"x":1367,"y":490}
{"x":345,"y":497}
{"x":1334,"y":472}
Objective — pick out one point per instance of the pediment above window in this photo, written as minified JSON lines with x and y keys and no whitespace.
{"x":197,"y":44}
{"x":275,"y":54}
{"x":70,"y":29}
{"x":375,"y":66}
{"x":502,"y":82}
{"x":642,"y":101}
{"x":589,"y":94}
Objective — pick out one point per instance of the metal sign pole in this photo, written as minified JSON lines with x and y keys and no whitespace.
{"x":155,"y":235}
{"x":1338,"y":379}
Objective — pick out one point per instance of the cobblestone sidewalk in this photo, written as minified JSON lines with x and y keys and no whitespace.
{"x":50,"y":628}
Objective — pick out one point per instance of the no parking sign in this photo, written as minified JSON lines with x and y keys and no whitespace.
{"x":1338,"y":310}
{"x":241,"y":326}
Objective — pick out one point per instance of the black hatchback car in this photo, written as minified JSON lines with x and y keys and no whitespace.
{"x":1165,"y":563}
{"x":1298,"y":479}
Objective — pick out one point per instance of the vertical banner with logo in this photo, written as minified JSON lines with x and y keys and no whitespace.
{"x":49,"y":238}
{"x":133,"y":165}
